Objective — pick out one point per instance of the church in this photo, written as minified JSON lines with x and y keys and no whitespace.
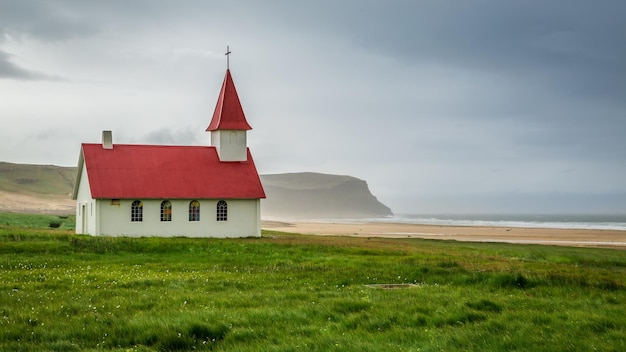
{"x":159,"y":190}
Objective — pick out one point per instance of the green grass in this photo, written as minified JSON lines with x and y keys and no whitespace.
{"x":16,"y":221}
{"x":286,"y":292}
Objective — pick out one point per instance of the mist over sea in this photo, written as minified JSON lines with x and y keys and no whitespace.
{"x":599,"y":222}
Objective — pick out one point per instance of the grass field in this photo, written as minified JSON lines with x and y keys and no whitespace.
{"x":17,"y":221}
{"x":285,"y":292}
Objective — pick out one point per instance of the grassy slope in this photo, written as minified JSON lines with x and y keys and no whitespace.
{"x":286,"y":292}
{"x":37,"y":179}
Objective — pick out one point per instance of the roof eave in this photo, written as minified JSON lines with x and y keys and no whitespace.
{"x":79,"y":171}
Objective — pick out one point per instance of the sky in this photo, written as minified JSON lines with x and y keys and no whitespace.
{"x":458,"y":106}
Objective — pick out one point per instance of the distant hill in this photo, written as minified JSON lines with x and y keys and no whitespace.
{"x":307,"y":195}
{"x":36,"y":188}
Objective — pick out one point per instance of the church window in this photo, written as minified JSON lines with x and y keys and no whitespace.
{"x":136,"y":211}
{"x":222,"y":211}
{"x":166,"y":210}
{"x":194,"y":210}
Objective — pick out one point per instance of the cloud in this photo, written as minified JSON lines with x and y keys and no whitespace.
{"x":58,"y":30}
{"x":48,"y":21}
{"x":9,"y":70}
{"x":183,"y":136}
{"x":39,"y":21}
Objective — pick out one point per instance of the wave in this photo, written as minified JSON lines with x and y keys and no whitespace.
{"x":584,"y":222}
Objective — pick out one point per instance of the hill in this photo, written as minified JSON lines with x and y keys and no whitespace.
{"x":309,"y":195}
{"x":47,"y":189}
{"x":36,"y":188}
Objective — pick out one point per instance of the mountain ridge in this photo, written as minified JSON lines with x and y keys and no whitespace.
{"x":301,"y":195}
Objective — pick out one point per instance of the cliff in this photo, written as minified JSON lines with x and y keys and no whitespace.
{"x":311,"y":195}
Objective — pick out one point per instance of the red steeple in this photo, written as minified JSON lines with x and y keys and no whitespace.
{"x":228,"y":114}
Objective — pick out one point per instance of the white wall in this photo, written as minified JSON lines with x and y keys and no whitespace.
{"x":231,"y":144}
{"x":243,"y":219}
{"x":85,"y":221}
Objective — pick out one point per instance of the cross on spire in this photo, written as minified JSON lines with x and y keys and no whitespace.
{"x":227,"y":57}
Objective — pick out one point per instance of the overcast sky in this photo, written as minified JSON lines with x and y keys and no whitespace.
{"x":459,"y":106}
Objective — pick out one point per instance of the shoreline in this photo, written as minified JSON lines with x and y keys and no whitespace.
{"x":615,"y":239}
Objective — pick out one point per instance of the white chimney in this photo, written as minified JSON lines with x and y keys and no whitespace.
{"x":107,"y":140}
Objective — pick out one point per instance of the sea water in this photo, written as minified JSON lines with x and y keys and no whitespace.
{"x":599,"y":222}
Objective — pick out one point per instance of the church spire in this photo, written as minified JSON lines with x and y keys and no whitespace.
{"x":228,"y":114}
{"x":228,"y":126}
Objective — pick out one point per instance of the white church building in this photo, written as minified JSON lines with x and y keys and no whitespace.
{"x":158,"y":190}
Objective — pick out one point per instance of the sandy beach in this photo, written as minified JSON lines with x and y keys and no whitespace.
{"x":562,"y":237}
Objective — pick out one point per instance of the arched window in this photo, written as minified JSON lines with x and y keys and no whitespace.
{"x":136,"y":211}
{"x":222,"y":211}
{"x":194,"y":210}
{"x":166,"y":210}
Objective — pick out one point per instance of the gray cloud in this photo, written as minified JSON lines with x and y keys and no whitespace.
{"x":185,"y":136}
{"x":56,"y":30}
{"x":10,"y":70}
{"x":42,"y":21}
{"x":45,"y":20}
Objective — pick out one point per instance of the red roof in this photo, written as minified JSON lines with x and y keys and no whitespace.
{"x":168,"y":172}
{"x":228,"y":114}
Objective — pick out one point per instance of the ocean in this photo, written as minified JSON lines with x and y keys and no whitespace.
{"x":599,"y":222}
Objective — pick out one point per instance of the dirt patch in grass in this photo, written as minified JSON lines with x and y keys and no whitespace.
{"x":392,"y":286}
